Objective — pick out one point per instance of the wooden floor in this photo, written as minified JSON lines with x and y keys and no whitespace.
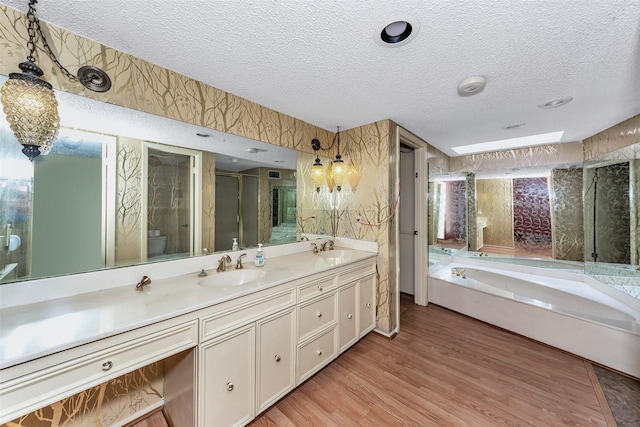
{"x":445,"y":369}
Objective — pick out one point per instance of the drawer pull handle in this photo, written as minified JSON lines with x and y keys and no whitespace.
{"x":278,"y":358}
{"x":230,"y":386}
{"x":368,"y":305}
{"x":319,"y":352}
{"x":349,"y":316}
{"x":319,"y":314}
{"x":107,"y":365}
{"x":320,"y":288}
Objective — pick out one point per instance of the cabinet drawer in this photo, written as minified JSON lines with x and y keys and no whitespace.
{"x":38,"y":389}
{"x":315,"y":354}
{"x":316,"y":288}
{"x":234,"y":313}
{"x":316,"y":315}
{"x":357,"y":273}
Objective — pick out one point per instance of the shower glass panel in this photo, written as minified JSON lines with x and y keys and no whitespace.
{"x":612,"y":214}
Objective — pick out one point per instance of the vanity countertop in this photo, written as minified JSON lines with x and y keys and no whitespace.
{"x":31,"y":331}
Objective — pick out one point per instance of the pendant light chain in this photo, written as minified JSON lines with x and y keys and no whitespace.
{"x":35,"y":22}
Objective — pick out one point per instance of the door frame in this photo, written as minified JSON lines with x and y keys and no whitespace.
{"x":195,"y":183}
{"x":403,"y":136}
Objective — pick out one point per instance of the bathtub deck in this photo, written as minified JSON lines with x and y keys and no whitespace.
{"x":445,"y":369}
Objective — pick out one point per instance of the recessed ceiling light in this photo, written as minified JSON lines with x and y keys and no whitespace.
{"x":279,"y":161}
{"x":232,"y":160}
{"x":471,"y":85}
{"x":505,"y":144}
{"x":203,"y":135}
{"x":516,"y":126}
{"x":398,"y":33}
{"x":252,"y":150}
{"x":556,"y":102}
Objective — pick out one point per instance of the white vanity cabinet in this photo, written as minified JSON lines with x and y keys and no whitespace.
{"x":227,"y":379}
{"x":275,"y":358}
{"x":225,"y":361}
{"x":356,"y":313}
{"x":347,"y":301}
{"x":246,"y":356}
{"x":367,"y":298}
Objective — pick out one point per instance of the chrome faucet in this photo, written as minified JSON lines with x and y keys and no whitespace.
{"x":239,"y":262}
{"x":222,"y":264}
{"x":315,"y":248}
{"x":323,"y":247}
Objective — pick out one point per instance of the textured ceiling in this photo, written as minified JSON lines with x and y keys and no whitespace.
{"x":320,"y":62}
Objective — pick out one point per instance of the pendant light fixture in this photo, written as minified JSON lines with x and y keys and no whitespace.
{"x":29,"y":102}
{"x":338,"y":171}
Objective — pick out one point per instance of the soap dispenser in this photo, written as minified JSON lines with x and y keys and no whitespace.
{"x":234,"y":245}
{"x":259,"y":259}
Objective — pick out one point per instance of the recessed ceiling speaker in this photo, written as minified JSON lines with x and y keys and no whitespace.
{"x":472,"y":85}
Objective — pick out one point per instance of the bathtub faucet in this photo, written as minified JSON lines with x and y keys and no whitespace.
{"x":458,"y":272}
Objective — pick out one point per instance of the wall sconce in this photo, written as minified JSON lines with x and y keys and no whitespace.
{"x":29,"y":101}
{"x":338,"y":171}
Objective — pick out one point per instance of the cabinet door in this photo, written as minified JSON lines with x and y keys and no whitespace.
{"x":227,"y":372}
{"x":276,"y":357}
{"x":367,"y":305}
{"x":347,"y":319}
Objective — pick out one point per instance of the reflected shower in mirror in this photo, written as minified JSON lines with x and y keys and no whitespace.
{"x":121,"y":187}
{"x":447,"y":213}
{"x":531,"y":212}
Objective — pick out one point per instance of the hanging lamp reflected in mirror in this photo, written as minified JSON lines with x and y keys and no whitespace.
{"x":29,"y":102}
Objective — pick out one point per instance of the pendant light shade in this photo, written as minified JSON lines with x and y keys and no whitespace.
{"x":338,"y":172}
{"x":31,"y":109}
{"x":29,"y":102}
{"x":317,"y":174}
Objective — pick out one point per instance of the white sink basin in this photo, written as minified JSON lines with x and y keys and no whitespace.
{"x":338,"y":253}
{"x":233,"y":278}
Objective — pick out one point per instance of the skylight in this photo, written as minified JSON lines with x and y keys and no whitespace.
{"x":505,"y":144}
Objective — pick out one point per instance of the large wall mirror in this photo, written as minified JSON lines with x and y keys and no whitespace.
{"x":576,"y":216}
{"x":121,"y":187}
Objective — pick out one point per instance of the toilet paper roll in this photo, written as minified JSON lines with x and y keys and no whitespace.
{"x":14,"y":242}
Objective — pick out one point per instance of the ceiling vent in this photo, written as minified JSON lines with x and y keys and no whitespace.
{"x":274,"y":174}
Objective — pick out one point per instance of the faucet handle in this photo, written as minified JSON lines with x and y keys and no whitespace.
{"x":239,"y":262}
{"x":315,"y":248}
{"x":222,"y":264}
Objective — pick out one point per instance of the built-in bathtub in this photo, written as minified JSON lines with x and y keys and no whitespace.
{"x":565,"y":309}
